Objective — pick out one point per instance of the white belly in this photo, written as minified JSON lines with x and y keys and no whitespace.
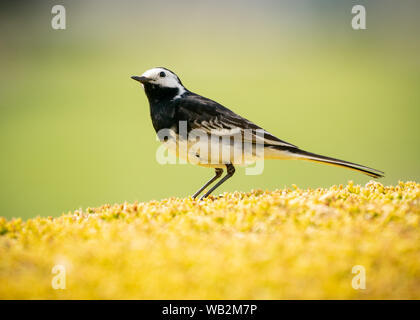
{"x":214,"y":153}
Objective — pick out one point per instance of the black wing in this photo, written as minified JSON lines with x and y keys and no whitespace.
{"x":202,"y":113}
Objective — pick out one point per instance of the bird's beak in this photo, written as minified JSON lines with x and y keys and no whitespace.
{"x":141,"y":79}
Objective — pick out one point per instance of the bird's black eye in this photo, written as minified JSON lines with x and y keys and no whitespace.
{"x":162,"y":74}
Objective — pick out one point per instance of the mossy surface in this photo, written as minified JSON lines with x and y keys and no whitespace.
{"x":282,"y":244}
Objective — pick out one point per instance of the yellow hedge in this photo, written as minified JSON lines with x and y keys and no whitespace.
{"x":288,"y":243}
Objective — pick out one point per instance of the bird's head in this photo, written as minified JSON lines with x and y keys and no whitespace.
{"x":160,"y":83}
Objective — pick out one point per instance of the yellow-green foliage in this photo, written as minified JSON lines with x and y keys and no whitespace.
{"x":289,"y":243}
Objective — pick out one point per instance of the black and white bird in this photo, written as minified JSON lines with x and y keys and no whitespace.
{"x":171,"y":105}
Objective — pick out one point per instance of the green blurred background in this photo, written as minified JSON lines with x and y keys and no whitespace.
{"x":75,"y":130}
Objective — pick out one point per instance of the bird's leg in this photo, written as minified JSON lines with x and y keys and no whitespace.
{"x":230,"y":171}
{"x":218,"y":173}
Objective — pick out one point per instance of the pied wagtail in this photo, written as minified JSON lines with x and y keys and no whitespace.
{"x":172,"y":104}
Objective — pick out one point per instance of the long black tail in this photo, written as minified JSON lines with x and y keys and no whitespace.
{"x":304,"y":155}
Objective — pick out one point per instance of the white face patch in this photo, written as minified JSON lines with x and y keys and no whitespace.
{"x":165,"y":79}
